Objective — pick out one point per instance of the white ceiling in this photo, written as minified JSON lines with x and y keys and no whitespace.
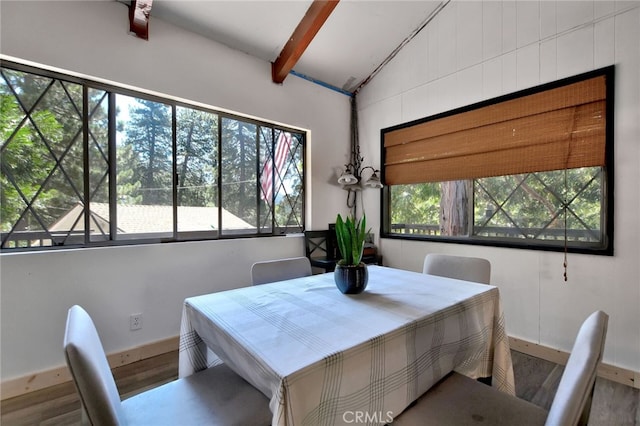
{"x":357,"y":37}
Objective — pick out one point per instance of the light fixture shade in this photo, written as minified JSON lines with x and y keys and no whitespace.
{"x":373,"y":182}
{"x":352,"y":187}
{"x":347,"y":179}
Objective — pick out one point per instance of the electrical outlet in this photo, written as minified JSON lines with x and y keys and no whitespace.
{"x":135,"y":322}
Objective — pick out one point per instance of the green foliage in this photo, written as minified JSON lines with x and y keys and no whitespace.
{"x":533,"y":203}
{"x":197,"y":157}
{"x":417,"y":203}
{"x":148,"y":132}
{"x":42,"y":149}
{"x":239,"y":147}
{"x":26,"y":162}
{"x":128,"y":186}
{"x":537,"y":200}
{"x":351,"y":235}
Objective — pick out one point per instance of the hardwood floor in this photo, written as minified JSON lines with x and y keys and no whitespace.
{"x":60,"y":405}
{"x":536,"y":381}
{"x":613,"y":404}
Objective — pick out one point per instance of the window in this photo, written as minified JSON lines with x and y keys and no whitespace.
{"x":533,"y":169}
{"x":87,"y":164}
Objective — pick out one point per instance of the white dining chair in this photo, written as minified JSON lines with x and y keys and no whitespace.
{"x":459,"y":267}
{"x":281,"y":269}
{"x":215,"y":396}
{"x":458,"y":400}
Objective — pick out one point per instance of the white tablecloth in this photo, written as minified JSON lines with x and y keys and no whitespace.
{"x":325,"y":358}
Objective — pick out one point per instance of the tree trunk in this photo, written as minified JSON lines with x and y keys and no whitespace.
{"x":243,"y":173}
{"x":185,"y":166}
{"x":454,"y":207}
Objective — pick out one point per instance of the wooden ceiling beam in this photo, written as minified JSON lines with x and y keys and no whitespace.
{"x":306,"y":30}
{"x":139,"y":12}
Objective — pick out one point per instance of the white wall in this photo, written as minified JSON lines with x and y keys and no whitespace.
{"x":476,"y":50}
{"x":91,"y":38}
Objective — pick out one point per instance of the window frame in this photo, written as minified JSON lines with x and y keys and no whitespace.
{"x":112,"y":90}
{"x":608,"y":173}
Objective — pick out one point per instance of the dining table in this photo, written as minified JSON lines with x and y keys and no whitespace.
{"x":327,"y":358}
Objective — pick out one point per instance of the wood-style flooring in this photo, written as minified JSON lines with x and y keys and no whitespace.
{"x":536,"y":381}
{"x":60,"y":405}
{"x":614,"y":404}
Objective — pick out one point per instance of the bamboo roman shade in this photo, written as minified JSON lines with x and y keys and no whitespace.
{"x":554,"y":129}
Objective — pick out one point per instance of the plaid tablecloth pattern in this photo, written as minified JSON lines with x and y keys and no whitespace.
{"x":325,"y":358}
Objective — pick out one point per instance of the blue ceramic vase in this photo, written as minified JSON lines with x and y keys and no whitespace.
{"x":351,"y":279}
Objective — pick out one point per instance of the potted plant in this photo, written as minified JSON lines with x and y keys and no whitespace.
{"x":351,"y":274}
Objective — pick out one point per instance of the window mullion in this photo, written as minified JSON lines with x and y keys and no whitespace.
{"x":257,"y":186}
{"x":174,"y":157}
{"x":220,"y":142}
{"x":86,"y":166}
{"x":273,"y":180}
{"x":113,"y":195}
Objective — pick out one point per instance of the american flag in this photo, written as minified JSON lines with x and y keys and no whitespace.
{"x":283,"y":146}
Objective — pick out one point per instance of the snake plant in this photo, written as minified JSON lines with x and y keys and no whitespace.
{"x":351,"y":236}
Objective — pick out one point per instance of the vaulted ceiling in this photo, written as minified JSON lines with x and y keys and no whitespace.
{"x":352,"y":43}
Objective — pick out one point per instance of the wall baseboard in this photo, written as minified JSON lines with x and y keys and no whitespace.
{"x":44,"y":379}
{"x":606,"y":371}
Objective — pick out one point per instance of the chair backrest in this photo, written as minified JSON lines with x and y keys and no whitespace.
{"x":281,"y":269}
{"x":319,"y":244}
{"x":90,"y":370}
{"x":572,"y":402}
{"x":459,"y":267}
